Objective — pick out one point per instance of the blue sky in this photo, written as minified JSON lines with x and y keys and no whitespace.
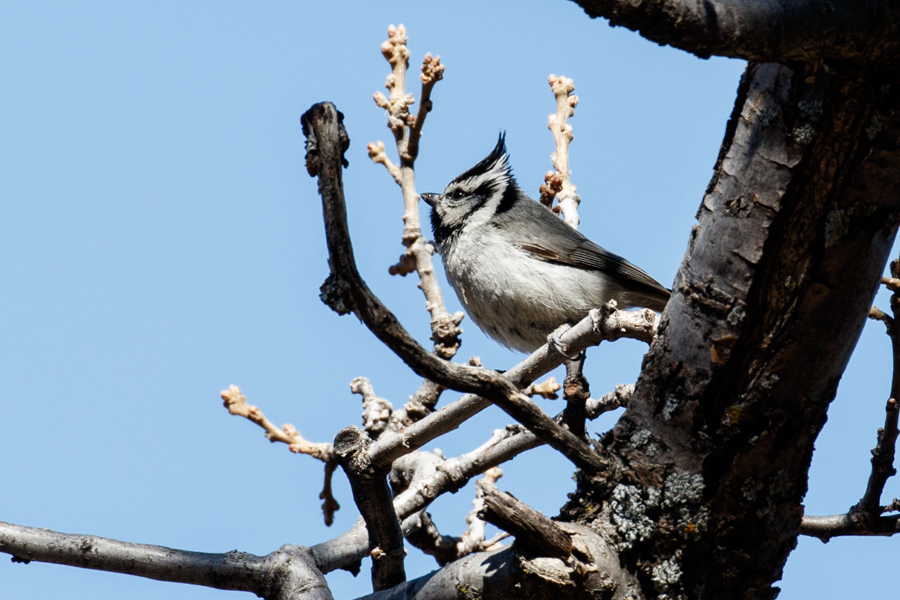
{"x":161,"y":240}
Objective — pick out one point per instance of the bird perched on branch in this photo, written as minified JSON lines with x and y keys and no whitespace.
{"x":519,"y":271}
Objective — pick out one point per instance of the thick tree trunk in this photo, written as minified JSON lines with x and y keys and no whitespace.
{"x":709,"y":464}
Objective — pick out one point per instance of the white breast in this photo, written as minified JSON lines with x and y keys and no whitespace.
{"x":514,"y":298}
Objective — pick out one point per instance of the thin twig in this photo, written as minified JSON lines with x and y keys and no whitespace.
{"x":557,"y":183}
{"x":407,"y":131}
{"x":882,"y":463}
{"x":236,"y":403}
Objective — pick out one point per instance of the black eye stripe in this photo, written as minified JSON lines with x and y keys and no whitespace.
{"x":508,"y":199}
{"x":484,"y":190}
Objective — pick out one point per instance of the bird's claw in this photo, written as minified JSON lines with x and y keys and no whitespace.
{"x":555,"y":343}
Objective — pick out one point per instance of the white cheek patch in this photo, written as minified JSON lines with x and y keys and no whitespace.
{"x":495,"y":178}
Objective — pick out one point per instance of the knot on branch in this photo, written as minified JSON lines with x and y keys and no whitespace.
{"x":335,"y":293}
{"x":350,"y":445}
{"x":445,"y":334}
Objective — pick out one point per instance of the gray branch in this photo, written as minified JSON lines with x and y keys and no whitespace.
{"x":373,"y":498}
{"x":286,"y":574}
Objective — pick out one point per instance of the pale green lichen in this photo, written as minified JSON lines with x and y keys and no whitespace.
{"x":683,"y":488}
{"x":666,"y":577}
{"x":629,"y":513}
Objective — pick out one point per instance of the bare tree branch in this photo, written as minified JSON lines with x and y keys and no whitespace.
{"x":592,"y":572}
{"x":828,"y":527}
{"x":862,"y":30}
{"x":611,"y":401}
{"x":865,"y":517}
{"x":373,"y":498}
{"x":606,"y":324}
{"x":425,"y":482}
{"x":377,"y":411}
{"x":446,"y":549}
{"x":882,"y":463}
{"x":237,"y":404}
{"x":407,"y":130}
{"x":535,"y":534}
{"x":286,"y":574}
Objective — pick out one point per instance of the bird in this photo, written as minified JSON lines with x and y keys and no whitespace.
{"x":519,"y":271}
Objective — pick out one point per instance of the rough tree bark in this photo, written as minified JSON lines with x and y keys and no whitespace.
{"x":709,"y":464}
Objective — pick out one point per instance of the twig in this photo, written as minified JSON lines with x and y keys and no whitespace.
{"x":546,"y":389}
{"x":557,"y":183}
{"x":610,"y":401}
{"x":445,"y":549}
{"x":345,"y":291}
{"x":882,"y":463}
{"x":330,"y":504}
{"x":376,"y":411}
{"x":285,"y":574}
{"x":420,"y":405}
{"x":865,"y":518}
{"x":373,"y":498}
{"x":407,"y":132}
{"x":236,"y":403}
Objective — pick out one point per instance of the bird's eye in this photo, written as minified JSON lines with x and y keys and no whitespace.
{"x":457,"y":194}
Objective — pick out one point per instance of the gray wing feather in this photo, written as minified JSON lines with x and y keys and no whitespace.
{"x":556,"y":242}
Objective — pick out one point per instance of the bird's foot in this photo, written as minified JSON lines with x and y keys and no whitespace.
{"x":555,"y":343}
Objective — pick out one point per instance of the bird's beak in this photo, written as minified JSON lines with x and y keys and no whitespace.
{"x":430,"y":199}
